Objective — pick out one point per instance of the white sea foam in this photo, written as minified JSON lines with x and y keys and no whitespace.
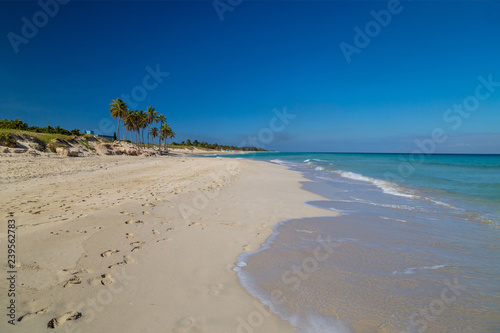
{"x":239,"y":265}
{"x":318,"y":168}
{"x":412,"y":270}
{"x":439,"y":203}
{"x":405,"y":207}
{"x":306,"y":161}
{"x":315,"y":323}
{"x":385,"y":186}
{"x":278,"y":162}
{"x":397,"y":220}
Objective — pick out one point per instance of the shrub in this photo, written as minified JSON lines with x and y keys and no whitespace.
{"x":7,"y":139}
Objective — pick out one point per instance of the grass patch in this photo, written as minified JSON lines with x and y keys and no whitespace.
{"x":85,"y":143}
{"x":45,"y":137}
{"x":6,"y":139}
{"x":53,"y":145}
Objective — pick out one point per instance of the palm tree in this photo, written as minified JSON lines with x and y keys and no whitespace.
{"x":166,"y":133}
{"x":142,"y":124}
{"x":163,"y":133}
{"x":151,"y":114}
{"x":132,"y":122}
{"x":162,"y":120}
{"x":118,"y":109}
{"x":170,"y":134}
{"x":154,"y":132}
{"x":129,"y":123}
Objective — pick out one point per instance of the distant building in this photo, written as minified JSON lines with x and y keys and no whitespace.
{"x":89,"y":132}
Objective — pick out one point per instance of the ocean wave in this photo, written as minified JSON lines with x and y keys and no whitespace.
{"x":392,"y":219}
{"x":280,"y":162}
{"x":440,"y":203}
{"x":405,"y":207}
{"x":385,"y":186}
{"x":412,"y":270}
{"x":318,"y":168}
{"x":307,"y":161}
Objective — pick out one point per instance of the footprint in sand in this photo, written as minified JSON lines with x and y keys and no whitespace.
{"x":126,"y":260}
{"x":55,"y":322}
{"x":216,"y":289}
{"x":75,"y":271}
{"x":155,"y":232}
{"x":30,"y":314}
{"x":197,"y":223}
{"x":121,"y":263}
{"x":136,"y":243}
{"x":106,"y":279}
{"x":109,"y":252}
{"x":164,"y":239}
{"x":148,"y":204}
{"x":189,"y":324}
{"x":129,"y":235}
{"x":136,"y":248}
{"x":145,"y":213}
{"x":74,"y":280}
{"x":134,"y":221}
{"x":127,"y":213}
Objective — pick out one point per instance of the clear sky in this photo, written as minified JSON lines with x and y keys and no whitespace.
{"x":228,"y":78}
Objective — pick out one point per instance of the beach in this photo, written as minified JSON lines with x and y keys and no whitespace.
{"x":129,"y":244}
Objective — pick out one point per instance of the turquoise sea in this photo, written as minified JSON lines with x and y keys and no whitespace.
{"x":416,"y":247}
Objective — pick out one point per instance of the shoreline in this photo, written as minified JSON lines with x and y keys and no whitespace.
{"x":171,"y":266}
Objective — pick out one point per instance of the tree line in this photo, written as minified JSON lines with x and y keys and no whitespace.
{"x":204,"y":144}
{"x":20,"y":125}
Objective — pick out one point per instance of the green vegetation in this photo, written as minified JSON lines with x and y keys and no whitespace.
{"x":44,"y":137}
{"x":6,"y":139}
{"x":138,"y":120}
{"x":206,"y":145}
{"x":56,"y":144}
{"x":19,"y":125}
{"x":135,"y":122}
{"x":118,"y":109}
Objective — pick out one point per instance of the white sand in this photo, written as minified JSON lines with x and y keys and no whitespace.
{"x":161,"y":271}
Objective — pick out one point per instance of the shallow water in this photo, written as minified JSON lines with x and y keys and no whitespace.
{"x":418,"y":254}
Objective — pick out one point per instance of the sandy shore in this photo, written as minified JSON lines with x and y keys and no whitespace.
{"x":139,"y":244}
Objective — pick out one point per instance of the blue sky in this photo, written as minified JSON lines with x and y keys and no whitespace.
{"x":227,"y":76}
